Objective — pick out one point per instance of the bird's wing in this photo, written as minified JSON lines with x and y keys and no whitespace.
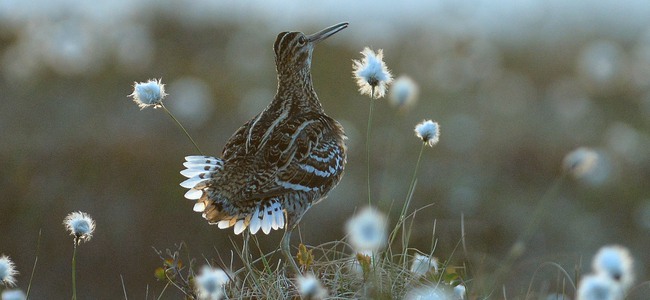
{"x":307,"y":154}
{"x":236,"y":145}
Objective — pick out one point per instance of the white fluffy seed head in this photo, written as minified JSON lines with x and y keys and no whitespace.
{"x":150,"y":93}
{"x":422,"y":264}
{"x":210,"y":282}
{"x":428,"y":131}
{"x":367,"y":231}
{"x":13,"y":295}
{"x":7,"y":271}
{"x":580,"y":162}
{"x":429,"y":293}
{"x":599,"y":287}
{"x":80,"y":225}
{"x":617,"y":263}
{"x":459,"y":291}
{"x":403,"y":92}
{"x":371,"y":73}
{"x":310,"y":288}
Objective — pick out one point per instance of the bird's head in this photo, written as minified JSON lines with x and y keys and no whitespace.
{"x":293,"y":50}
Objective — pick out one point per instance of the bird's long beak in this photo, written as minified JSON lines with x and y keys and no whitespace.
{"x":327,"y":32}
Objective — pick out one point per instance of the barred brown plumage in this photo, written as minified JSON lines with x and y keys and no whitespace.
{"x":281,"y":162}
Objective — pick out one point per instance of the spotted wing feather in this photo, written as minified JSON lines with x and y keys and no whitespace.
{"x":306,"y":156}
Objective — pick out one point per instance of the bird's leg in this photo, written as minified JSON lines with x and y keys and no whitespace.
{"x":286,"y":249}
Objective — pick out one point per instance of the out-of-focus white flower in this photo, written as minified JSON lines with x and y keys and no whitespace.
{"x":310,"y":288}
{"x":422,"y":264}
{"x":367,"y":230}
{"x":210,"y":282}
{"x":197,"y":105}
{"x":150,"y":93}
{"x":428,"y":131}
{"x":7,"y":271}
{"x":371,"y":73}
{"x":599,"y":287}
{"x":428,"y":293}
{"x":580,"y":162}
{"x":403,"y":92}
{"x":601,"y":64}
{"x":617,"y":263}
{"x":80,"y":225}
{"x":13,"y":295}
{"x":459,"y":292}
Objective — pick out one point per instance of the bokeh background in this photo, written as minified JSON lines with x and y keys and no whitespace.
{"x":515,"y":86}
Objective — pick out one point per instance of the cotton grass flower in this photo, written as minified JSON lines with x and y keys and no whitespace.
{"x":371,"y":73}
{"x":428,"y":293}
{"x":428,"y":131}
{"x":599,"y":287}
{"x":150,"y":93}
{"x":580,"y":162}
{"x":459,"y":292}
{"x":210,"y":282}
{"x":80,"y":225}
{"x":13,"y":295}
{"x":367,"y":231}
{"x":310,"y":288}
{"x":7,"y":271}
{"x":403,"y":92}
{"x":372,"y":77}
{"x":422,"y":264}
{"x":617,"y":263}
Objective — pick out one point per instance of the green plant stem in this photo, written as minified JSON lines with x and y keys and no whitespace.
{"x":519,"y":246}
{"x":182,"y":128}
{"x":124,"y":288}
{"x":38,"y":247}
{"x":163,"y":290}
{"x":409,"y":196}
{"x":74,"y":272}
{"x":406,"y":235}
{"x":372,"y":104}
{"x":246,"y":258}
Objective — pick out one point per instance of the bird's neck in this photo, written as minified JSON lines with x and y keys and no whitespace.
{"x":296,"y":89}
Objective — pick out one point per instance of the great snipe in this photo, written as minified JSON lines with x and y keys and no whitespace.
{"x":282,"y":161}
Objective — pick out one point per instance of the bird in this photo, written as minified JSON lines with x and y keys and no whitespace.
{"x":279,"y":163}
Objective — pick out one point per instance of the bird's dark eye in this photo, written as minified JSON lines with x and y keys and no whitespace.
{"x":302,"y":41}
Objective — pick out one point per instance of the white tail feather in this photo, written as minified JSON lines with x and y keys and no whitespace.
{"x":267,"y":221}
{"x":223,"y":224}
{"x":200,"y":169}
{"x":256,"y":223}
{"x":193,"y":194}
{"x":192,"y":182}
{"x":199,"y":207}
{"x":239,"y":226}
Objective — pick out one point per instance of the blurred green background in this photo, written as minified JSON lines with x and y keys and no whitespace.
{"x":515,"y":85}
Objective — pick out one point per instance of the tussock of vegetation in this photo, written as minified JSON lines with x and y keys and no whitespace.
{"x":344,"y":274}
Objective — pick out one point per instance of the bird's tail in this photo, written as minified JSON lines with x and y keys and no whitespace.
{"x":202,"y":169}
{"x":199,"y":169}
